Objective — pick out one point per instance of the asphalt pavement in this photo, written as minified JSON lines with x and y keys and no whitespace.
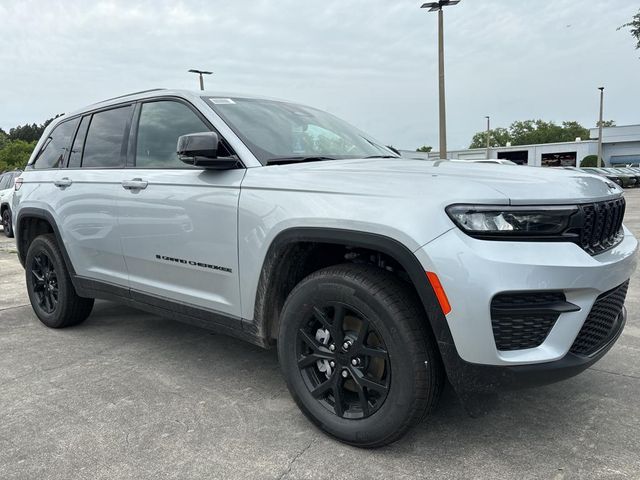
{"x":131,"y":395}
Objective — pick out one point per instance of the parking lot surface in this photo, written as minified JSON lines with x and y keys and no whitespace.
{"x":132,"y":395}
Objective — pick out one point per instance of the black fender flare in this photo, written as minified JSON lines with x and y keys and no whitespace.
{"x":42,"y":214}
{"x":387,"y":245}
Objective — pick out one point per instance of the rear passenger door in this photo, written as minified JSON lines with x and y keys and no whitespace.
{"x":178,"y":222}
{"x":87,"y":191}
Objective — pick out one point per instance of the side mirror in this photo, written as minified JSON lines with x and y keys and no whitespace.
{"x":201,"y":150}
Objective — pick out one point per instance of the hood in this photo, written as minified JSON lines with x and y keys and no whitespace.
{"x":455,"y":181}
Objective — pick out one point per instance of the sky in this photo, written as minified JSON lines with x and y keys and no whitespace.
{"x":370,"y":62}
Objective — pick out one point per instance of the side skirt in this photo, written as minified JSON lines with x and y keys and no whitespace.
{"x":211,"y":320}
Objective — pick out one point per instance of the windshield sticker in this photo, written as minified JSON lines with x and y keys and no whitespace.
{"x":222,"y":101}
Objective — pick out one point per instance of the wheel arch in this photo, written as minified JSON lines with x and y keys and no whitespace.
{"x":282,"y":261}
{"x":32,"y":222}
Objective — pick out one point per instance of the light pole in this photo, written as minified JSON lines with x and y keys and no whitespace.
{"x":600,"y":159}
{"x":200,"y":73}
{"x":437,"y":7}
{"x":488,"y":134}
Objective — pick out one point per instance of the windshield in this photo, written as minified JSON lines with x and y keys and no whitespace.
{"x":275,"y":130}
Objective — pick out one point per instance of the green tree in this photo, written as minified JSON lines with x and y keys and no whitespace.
{"x":634,"y":26}
{"x":4,"y":138}
{"x":589,"y":161}
{"x":498,"y":137}
{"x":424,"y":148}
{"x":528,"y":132}
{"x":606,"y":123}
{"x":29,"y":133}
{"x":15,"y":154}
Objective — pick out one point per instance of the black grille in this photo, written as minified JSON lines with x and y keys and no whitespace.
{"x":602,"y":225}
{"x":524,"y":319}
{"x":602,"y":323}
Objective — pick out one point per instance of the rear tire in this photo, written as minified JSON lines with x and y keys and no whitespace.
{"x":7,"y":224}
{"x":52,"y":295}
{"x":370,"y":391}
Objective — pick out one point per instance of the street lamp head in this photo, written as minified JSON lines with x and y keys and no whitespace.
{"x":201,"y":72}
{"x":601,"y":88}
{"x":435,"y":6}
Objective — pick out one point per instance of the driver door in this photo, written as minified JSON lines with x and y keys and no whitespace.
{"x":178,"y":223}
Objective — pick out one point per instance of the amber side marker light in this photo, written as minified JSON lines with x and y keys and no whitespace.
{"x":440,"y":295}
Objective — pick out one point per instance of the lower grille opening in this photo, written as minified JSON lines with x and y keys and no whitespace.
{"x":523,"y":320}
{"x":602,"y":323}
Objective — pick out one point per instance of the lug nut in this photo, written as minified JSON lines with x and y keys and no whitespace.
{"x":332,"y":363}
{"x":332,"y":347}
{"x":355,"y":361}
{"x":345,"y":374}
{"x":346,"y":345}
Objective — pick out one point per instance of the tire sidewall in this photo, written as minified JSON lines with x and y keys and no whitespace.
{"x":397,"y":407}
{"x":8,"y":228}
{"x":56,"y":318}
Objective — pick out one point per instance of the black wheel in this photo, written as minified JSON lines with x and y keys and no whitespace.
{"x":357,"y":355}
{"x":52,"y":296}
{"x":7,"y":226}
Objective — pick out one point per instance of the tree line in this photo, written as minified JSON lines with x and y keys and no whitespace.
{"x":17,"y":144}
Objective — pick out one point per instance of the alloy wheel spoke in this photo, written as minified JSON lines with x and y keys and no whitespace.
{"x":362,"y":398}
{"x":362,"y":334}
{"x":48,"y":304}
{"x":309,"y":340}
{"x":322,"y":389}
{"x":367,"y":383}
{"x":373,"y":352}
{"x":323,"y":319}
{"x":339,"y":313}
{"x":312,"y":358}
{"x":337,"y":396}
{"x":38,"y":276}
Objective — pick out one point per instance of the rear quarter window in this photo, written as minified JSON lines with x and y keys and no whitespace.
{"x":56,"y":146}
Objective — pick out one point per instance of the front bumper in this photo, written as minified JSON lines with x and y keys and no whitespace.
{"x":473,"y":271}
{"x":474,"y":378}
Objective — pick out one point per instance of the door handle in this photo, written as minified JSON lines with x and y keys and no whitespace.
{"x":63,"y":182}
{"x":135,"y":184}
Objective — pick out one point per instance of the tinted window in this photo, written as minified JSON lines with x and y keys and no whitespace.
{"x":75,"y":156}
{"x":56,"y":146}
{"x":4,"y":181}
{"x":276,"y":130}
{"x":105,"y":145}
{"x":160,"y":125}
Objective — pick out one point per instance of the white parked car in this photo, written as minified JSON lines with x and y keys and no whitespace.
{"x":495,"y":161}
{"x":7,"y":181}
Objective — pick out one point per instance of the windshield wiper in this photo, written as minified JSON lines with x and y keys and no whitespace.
{"x":382,"y":156}
{"x":285,"y":160}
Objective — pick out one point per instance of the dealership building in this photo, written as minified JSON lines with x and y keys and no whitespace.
{"x":620,"y":146}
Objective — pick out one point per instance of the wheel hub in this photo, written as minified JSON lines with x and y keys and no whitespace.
{"x":344,"y":362}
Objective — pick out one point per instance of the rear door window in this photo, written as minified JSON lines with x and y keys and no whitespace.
{"x":54,"y":152}
{"x":106,"y":142}
{"x":4,"y":181}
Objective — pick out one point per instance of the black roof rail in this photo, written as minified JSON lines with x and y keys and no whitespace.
{"x":130,"y":94}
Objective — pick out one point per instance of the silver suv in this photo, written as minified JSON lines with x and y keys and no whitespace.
{"x":377,"y":277}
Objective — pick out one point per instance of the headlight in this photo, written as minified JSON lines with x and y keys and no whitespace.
{"x":504,"y":221}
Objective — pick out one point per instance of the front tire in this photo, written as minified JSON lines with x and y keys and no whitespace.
{"x":52,"y":295}
{"x":357,"y":354}
{"x":7,"y":224}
